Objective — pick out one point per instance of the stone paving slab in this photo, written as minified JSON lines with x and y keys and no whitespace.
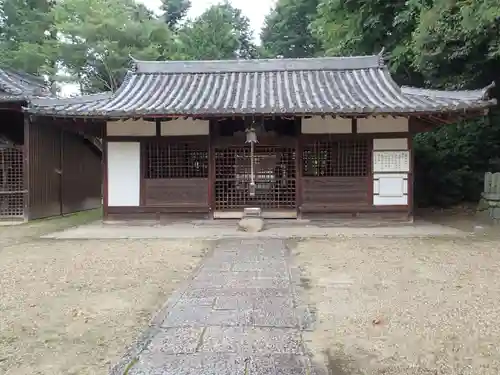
{"x":252,"y":340}
{"x":236,"y":292}
{"x":232,"y":303}
{"x":221,"y":364}
{"x":280,"y":364}
{"x":237,"y":315}
{"x":176,"y":340}
{"x":203,"y":316}
{"x":277,"y":266}
{"x":157,"y":363}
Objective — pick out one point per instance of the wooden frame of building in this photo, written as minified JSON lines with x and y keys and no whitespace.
{"x":46,"y":169}
{"x":334,"y":137}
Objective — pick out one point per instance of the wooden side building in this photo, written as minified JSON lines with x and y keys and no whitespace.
{"x":46,"y":169}
{"x":334,"y":137}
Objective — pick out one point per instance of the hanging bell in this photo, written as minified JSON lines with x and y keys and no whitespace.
{"x":251,"y":189}
{"x":251,"y":136}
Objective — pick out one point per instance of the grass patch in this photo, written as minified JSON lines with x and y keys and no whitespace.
{"x":36,"y":228}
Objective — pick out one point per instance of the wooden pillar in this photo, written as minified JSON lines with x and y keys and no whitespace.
{"x":142,"y":173}
{"x":211,"y":168}
{"x":298,"y":165}
{"x":370,"y":171}
{"x":26,"y":167}
{"x":105,"y":171}
{"x":411,"y":177}
{"x":61,"y":170}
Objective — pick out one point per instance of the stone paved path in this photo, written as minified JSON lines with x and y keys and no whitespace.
{"x":236,"y":316}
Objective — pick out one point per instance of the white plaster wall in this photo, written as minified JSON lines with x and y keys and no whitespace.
{"x":390,"y":189}
{"x":390,"y":144}
{"x":319,"y":125}
{"x":382,"y":125}
{"x":124,"y":159}
{"x":131,"y":128}
{"x":185,"y":127}
{"x":390,"y":201}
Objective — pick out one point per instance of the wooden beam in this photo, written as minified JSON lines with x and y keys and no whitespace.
{"x":158,"y":127}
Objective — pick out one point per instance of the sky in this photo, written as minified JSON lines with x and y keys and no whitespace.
{"x":255,"y":10}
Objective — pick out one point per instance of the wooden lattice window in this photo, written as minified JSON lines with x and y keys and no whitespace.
{"x":175,"y":160}
{"x":274,"y":177}
{"x":339,"y":158}
{"x":11,"y":181}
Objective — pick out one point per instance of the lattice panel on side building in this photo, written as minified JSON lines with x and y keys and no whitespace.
{"x":274,"y":171}
{"x":176,"y":160}
{"x":336,"y":158}
{"x":11,"y":182}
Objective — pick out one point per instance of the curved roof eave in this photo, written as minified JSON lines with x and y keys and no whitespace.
{"x":19,"y":86}
{"x":359,"y":85}
{"x":482,"y":94}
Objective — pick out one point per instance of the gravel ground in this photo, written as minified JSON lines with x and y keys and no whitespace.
{"x":403,"y":306}
{"x":72,"y":307}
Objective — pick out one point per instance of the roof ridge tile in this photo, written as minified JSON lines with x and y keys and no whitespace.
{"x":258,"y":65}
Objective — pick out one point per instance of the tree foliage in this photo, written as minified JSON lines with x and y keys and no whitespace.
{"x":287,"y":31}
{"x":358,"y":27}
{"x":432,"y":43}
{"x":458,"y":43}
{"x":99,"y":36}
{"x":221,"y":32}
{"x":91,"y":41}
{"x":174,"y":11}
{"x":451,"y":161}
{"x":27,"y":38}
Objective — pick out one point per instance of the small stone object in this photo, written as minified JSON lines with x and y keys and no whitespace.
{"x":251,"y":224}
{"x":377,"y":321}
{"x":252,"y":212}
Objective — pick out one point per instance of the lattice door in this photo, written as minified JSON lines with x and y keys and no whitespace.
{"x":11,"y":182}
{"x":274,"y":168}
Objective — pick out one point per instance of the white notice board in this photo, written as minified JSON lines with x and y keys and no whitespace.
{"x":391,"y":161}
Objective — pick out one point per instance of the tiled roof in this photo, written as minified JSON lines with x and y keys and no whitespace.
{"x":329,"y":85}
{"x":17,"y":86}
{"x":74,"y":102}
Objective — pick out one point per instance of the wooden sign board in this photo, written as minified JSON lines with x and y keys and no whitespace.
{"x":391,"y":161}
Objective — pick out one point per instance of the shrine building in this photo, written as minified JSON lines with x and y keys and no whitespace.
{"x":296,"y":138}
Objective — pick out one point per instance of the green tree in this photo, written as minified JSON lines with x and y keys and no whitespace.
{"x":174,"y":11}
{"x":434,"y":43}
{"x":431,"y":43}
{"x":457,"y":44}
{"x":360,"y":27}
{"x":287,"y":31}
{"x":221,"y":32}
{"x":98,"y":36}
{"x":27,"y":36}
